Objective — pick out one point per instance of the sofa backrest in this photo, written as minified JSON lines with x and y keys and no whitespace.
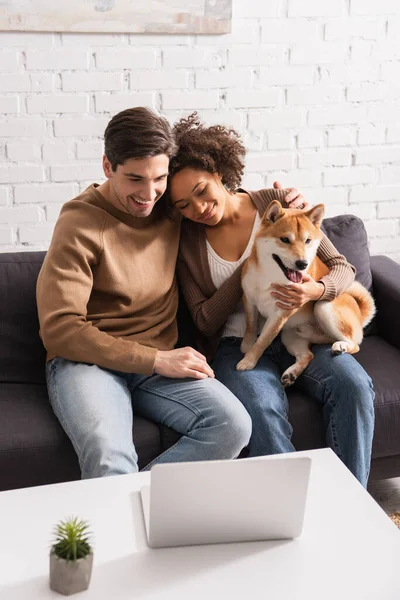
{"x":347,"y":233}
{"x":22,"y":355}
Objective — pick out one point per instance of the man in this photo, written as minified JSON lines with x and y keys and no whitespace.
{"x":107,"y":300}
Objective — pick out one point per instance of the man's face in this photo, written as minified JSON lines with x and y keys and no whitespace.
{"x":136,"y":185}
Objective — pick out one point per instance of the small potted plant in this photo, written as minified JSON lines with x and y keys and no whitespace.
{"x":71,"y":557}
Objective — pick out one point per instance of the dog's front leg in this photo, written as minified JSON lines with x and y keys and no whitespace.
{"x":250,"y":335}
{"x":299,"y":347}
{"x":269,"y":332}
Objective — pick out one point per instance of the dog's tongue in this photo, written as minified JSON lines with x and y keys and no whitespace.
{"x":295,"y":276}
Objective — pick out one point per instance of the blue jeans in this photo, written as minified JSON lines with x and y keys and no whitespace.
{"x":339,"y":383}
{"x":95,"y":407}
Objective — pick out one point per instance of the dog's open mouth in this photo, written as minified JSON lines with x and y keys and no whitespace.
{"x":294,"y":276}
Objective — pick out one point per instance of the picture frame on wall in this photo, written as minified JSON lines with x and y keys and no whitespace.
{"x":117,"y":16}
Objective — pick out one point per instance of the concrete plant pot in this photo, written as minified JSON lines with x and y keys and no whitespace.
{"x":69,"y":577}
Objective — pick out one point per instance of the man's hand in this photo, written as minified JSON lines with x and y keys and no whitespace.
{"x":295,"y":295}
{"x":182,"y":362}
{"x":294,"y":198}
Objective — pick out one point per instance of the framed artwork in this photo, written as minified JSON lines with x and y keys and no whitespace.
{"x":117,"y":16}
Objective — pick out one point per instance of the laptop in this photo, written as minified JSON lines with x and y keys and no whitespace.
{"x":223,"y":501}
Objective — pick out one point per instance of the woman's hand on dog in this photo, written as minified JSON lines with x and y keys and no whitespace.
{"x":294,"y":198}
{"x":296,"y":295}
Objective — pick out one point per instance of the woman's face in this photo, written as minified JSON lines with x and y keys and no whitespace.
{"x":198,"y":195}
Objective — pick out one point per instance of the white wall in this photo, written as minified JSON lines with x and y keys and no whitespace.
{"x":314,"y":86}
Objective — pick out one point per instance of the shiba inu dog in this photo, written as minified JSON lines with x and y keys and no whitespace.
{"x":285,"y":246}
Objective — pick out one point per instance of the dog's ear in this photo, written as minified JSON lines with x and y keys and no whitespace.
{"x":273,"y":212}
{"x":316,"y":214}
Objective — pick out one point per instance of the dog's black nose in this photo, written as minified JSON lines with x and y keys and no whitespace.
{"x":301,"y":264}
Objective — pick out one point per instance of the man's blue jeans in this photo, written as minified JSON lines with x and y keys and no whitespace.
{"x":339,"y":383}
{"x":95,"y":407}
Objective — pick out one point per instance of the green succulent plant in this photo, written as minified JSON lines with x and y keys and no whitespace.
{"x":72,"y":539}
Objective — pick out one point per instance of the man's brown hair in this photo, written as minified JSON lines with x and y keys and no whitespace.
{"x":137,"y":133}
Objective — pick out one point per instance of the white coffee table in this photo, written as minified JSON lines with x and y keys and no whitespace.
{"x":349,"y":550}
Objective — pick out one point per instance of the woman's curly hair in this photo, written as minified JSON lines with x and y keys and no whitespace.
{"x":215,"y":149}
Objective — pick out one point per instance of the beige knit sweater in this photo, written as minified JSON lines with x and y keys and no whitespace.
{"x":210,"y":307}
{"x":107,"y":291}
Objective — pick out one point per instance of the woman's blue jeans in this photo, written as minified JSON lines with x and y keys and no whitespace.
{"x":338,"y":383}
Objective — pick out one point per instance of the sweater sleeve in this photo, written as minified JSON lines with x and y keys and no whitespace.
{"x":209,"y":314}
{"x":272,"y":194}
{"x":63,"y":291}
{"x":341,"y":273}
{"x":263,"y":198}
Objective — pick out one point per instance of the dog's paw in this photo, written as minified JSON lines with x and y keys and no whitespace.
{"x":246,"y":364}
{"x":288,"y":379}
{"x":247,"y":344}
{"x":339,"y":348}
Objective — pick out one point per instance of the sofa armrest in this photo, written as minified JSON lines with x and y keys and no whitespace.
{"x":386,"y":289}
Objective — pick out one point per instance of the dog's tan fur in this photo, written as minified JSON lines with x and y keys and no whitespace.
{"x":339,"y":322}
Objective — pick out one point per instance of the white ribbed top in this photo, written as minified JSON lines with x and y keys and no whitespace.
{"x":221,"y":270}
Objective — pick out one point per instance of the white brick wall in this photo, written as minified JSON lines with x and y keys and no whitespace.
{"x":313,"y":86}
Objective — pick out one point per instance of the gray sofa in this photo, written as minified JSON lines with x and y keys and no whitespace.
{"x":34,"y":449}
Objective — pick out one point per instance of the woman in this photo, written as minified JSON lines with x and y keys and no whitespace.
{"x":220,"y":221}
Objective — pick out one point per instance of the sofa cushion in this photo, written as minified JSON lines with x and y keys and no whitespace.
{"x":305,"y":416}
{"x":34,"y":448}
{"x":381,"y":361}
{"x":347,"y":233}
{"x":22,"y":355}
